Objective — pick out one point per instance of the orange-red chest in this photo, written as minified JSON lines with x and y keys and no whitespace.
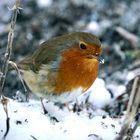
{"x":75,"y":72}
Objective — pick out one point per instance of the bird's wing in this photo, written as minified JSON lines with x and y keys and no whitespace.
{"x":47,"y":53}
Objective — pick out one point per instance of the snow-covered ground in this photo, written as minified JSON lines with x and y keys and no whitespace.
{"x":27,"y":121}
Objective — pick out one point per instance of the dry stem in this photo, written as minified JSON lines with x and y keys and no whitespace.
{"x":9,"y":46}
{"x":131,"y":109}
{"x":14,"y":65}
{"x":4,"y":71}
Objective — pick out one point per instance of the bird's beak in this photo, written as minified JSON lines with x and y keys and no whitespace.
{"x":99,"y":58}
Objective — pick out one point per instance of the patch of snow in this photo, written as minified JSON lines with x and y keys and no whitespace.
{"x":99,"y":95}
{"x":27,"y":121}
{"x":117,"y":90}
{"x":44,"y":3}
{"x":93,"y":27}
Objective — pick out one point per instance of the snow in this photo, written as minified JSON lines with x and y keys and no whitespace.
{"x":94,"y":27}
{"x":35,"y":124}
{"x":44,"y":3}
{"x":27,"y":121}
{"x":99,"y":95}
{"x":98,"y":28}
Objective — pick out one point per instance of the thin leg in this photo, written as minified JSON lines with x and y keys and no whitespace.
{"x":44,"y":109}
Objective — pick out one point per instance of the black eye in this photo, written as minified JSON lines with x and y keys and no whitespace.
{"x":97,"y":54}
{"x":83,"y":46}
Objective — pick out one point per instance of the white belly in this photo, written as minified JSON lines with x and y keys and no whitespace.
{"x":65,"y":97}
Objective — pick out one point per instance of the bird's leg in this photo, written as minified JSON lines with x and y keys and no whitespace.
{"x":77,"y":108}
{"x":71,"y":107}
{"x":44,"y":109}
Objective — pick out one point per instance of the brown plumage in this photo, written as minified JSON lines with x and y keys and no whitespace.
{"x":62,"y":65}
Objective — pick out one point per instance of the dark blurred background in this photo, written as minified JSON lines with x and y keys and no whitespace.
{"x":116,"y":23}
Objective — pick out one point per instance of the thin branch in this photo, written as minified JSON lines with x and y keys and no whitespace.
{"x":4,"y":102}
{"x":4,"y":71}
{"x":9,"y":46}
{"x":131,"y":109}
{"x":133,"y":39}
{"x":14,"y":65}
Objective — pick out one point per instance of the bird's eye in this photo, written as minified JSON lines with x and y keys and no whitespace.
{"x":82,"y":46}
{"x":97,"y":54}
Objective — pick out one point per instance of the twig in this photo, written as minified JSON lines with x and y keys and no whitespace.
{"x":4,"y":103}
{"x":133,"y":39}
{"x":131,"y":109}
{"x":4,"y":71}
{"x":14,"y":65}
{"x":33,"y":137}
{"x":9,"y":46}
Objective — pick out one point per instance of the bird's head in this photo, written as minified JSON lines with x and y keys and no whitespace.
{"x":84,"y":45}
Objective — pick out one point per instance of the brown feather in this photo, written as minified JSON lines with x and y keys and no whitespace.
{"x":59,"y":65}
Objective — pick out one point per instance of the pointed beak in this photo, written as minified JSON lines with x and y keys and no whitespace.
{"x":99,"y":58}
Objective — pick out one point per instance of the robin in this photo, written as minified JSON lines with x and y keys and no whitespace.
{"x":63,"y":65}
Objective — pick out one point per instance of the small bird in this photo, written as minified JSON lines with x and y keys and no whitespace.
{"x":63,"y":65}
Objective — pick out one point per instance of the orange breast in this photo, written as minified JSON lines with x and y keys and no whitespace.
{"x":75,"y":72}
